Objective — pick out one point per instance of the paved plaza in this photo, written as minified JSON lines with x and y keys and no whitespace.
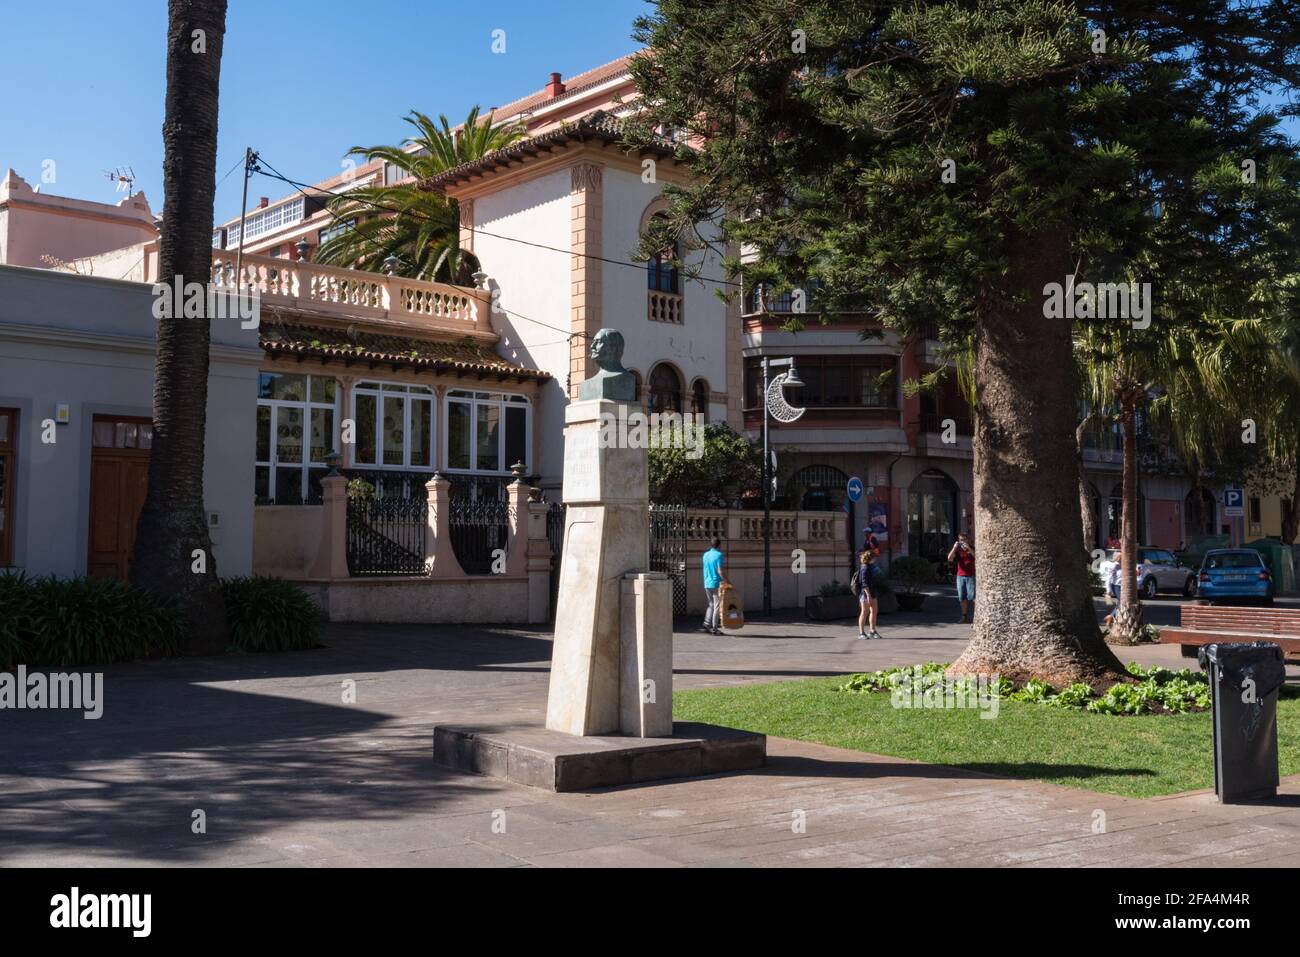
{"x":286,"y":773}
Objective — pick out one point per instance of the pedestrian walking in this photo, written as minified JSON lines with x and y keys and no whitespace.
{"x":963,"y":556}
{"x":713,"y":563}
{"x":864,"y":586}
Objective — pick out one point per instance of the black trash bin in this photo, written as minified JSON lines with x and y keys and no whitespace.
{"x":1244,"y":682}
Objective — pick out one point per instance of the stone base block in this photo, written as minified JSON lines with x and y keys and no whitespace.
{"x":554,"y":761}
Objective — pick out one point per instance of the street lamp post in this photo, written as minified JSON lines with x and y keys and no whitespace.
{"x":774,"y":404}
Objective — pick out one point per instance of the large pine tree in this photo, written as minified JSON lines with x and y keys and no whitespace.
{"x":945,"y":163}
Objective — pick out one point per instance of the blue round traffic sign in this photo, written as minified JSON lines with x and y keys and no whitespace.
{"x":855,"y":489}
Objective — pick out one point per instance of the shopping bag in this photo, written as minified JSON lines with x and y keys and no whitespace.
{"x":733,"y":611}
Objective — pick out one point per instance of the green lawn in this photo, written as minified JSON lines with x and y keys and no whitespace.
{"x":1132,"y":756}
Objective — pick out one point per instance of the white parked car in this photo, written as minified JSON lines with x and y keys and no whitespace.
{"x":1157,"y":571}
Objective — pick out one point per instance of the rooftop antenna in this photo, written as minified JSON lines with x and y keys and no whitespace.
{"x":124,"y":177}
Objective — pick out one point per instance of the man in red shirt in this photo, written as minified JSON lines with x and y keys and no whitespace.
{"x":963,"y":556}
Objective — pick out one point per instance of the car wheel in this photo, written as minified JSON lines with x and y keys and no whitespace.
{"x":1149,"y":588}
{"x":1189,"y":587}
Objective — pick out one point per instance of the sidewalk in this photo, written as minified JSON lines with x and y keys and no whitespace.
{"x":287,"y":774}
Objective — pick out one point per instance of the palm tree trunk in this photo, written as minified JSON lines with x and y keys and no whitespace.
{"x":1291,"y":506}
{"x":173,"y":553}
{"x":1034,"y":616}
{"x":1085,"y":499}
{"x":1127,"y":623}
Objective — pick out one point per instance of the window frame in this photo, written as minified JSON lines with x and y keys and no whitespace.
{"x":474,"y":398}
{"x":382,"y":390}
{"x":306,"y":406}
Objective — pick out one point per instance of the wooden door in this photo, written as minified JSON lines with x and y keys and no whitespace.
{"x":119,"y":475}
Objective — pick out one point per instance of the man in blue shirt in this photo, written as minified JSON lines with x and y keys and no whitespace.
{"x":714,"y":576}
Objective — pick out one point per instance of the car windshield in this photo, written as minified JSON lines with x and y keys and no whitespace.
{"x":1232,"y":560}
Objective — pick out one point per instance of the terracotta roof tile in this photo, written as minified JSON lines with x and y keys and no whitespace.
{"x":465,"y":356}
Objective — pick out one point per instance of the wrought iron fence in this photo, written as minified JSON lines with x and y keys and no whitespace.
{"x":386,"y":536}
{"x":668,"y":549}
{"x":478,"y":529}
{"x":555,"y":535}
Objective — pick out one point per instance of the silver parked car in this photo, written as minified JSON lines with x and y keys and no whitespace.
{"x":1157,"y":571}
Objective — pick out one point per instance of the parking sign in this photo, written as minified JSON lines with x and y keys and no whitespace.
{"x":1234,"y":501}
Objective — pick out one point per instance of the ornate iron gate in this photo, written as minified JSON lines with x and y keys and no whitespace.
{"x":480,"y":533}
{"x":555,"y":534}
{"x":668,"y":549}
{"x":385,"y":536}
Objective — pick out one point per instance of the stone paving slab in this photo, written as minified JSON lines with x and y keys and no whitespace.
{"x":289,"y":775}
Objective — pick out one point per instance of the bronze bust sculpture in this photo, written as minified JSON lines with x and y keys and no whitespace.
{"x":612,"y":381}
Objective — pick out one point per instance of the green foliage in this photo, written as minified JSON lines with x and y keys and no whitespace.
{"x":269,"y":614}
{"x":359,"y":490}
{"x":833,"y":589}
{"x":729,"y":469}
{"x":1033,"y":690}
{"x":1160,"y":691}
{"x":889,"y":678}
{"x":912,"y":572}
{"x":80,"y":622}
{"x":418,"y":226}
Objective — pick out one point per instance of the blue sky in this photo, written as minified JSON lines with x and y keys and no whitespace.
{"x":301,"y":80}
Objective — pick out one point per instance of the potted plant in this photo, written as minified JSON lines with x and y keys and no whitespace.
{"x":911,"y":572}
{"x":833,"y":600}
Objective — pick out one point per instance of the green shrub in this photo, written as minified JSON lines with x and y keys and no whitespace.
{"x":81,"y":622}
{"x":15,"y":611}
{"x":911,"y":571}
{"x":833,"y":589}
{"x":1034,"y":690}
{"x":269,"y":614}
{"x":1159,"y":691}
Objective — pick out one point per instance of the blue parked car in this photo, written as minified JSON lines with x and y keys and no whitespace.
{"x":1235,"y":573}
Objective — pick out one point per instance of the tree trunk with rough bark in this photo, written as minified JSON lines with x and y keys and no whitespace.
{"x":1034,"y":616}
{"x":173,"y":552}
{"x":1127,"y":623}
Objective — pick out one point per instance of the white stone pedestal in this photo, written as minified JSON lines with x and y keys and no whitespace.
{"x":646,"y":688}
{"x":606,"y":536}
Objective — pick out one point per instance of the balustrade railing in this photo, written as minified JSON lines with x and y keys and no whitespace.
{"x":331,"y":287}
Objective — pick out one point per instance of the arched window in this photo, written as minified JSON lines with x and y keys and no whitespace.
{"x":665,"y":389}
{"x":700,"y":398}
{"x":664,"y":300}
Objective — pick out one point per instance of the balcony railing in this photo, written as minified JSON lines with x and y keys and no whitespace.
{"x":665,"y":307}
{"x":329,"y":290}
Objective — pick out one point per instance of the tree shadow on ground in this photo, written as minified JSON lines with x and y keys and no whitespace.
{"x":128,"y":783}
{"x":802,"y":766}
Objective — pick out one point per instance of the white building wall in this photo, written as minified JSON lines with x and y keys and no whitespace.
{"x":697,"y":347}
{"x":90,"y":343}
{"x":532,"y":313}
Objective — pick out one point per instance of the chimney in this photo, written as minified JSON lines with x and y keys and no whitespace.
{"x":263,"y":202}
{"x":555,"y":87}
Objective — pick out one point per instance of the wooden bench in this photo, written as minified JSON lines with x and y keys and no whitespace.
{"x":1205,"y":624}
